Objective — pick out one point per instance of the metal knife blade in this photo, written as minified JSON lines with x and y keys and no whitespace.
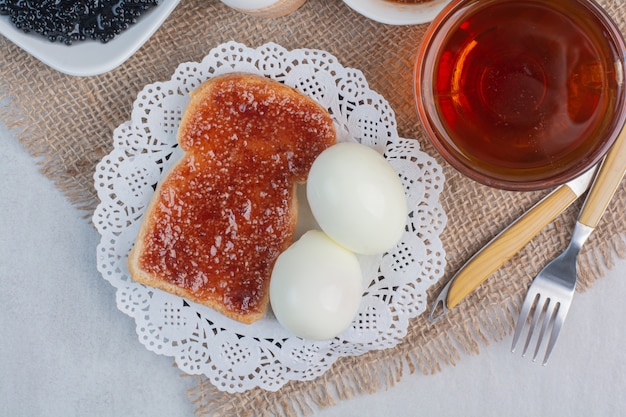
{"x":507,"y":243}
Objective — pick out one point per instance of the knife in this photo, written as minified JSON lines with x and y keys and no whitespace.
{"x":507,"y":243}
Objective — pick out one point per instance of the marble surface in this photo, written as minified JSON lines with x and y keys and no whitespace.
{"x":65,"y":349}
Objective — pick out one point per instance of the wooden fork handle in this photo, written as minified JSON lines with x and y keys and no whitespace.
{"x":608,"y":179}
{"x":508,"y":243}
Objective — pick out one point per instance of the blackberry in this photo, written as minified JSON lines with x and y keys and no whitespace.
{"x":67,"y":21}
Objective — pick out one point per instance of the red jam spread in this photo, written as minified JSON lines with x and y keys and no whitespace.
{"x":227,"y":209}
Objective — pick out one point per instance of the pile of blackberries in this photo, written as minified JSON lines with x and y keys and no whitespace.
{"x":74,"y":20}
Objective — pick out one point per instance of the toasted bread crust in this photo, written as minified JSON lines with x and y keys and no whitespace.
{"x":225,"y":211}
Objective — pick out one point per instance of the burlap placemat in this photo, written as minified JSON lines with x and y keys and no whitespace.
{"x":66,"y":123}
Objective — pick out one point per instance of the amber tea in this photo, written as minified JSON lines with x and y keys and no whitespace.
{"x":524,"y":89}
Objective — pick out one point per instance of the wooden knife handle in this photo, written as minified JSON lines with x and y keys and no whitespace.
{"x":508,"y":243}
{"x":608,"y":179}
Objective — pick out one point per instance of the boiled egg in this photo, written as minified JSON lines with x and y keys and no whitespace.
{"x":316,"y":287}
{"x":357,"y":198}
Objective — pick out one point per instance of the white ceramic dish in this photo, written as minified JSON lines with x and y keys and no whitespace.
{"x":393,"y":13}
{"x":88,"y":58}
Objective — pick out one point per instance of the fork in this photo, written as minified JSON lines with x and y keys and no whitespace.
{"x":551,"y":292}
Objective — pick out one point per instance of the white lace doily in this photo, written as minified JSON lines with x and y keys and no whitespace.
{"x":235,"y":356}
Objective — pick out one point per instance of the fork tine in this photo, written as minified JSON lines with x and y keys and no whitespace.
{"x":559,"y":319}
{"x":521,"y":320}
{"x":548,"y":318}
{"x":551,"y":292}
{"x":539,"y":308}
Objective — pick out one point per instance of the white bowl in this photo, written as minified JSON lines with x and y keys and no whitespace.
{"x":394,"y":13}
{"x":90,"y":57}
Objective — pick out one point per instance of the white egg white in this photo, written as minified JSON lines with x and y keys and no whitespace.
{"x":316,"y":287}
{"x":357,"y":198}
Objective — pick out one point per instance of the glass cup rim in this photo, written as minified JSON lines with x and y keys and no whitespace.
{"x":446,"y":16}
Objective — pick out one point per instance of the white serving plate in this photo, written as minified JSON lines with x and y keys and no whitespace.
{"x":393,"y":13}
{"x":90,"y":57}
{"x":236,"y":356}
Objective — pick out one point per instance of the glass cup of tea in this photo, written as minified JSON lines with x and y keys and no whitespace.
{"x":521,"y":94}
